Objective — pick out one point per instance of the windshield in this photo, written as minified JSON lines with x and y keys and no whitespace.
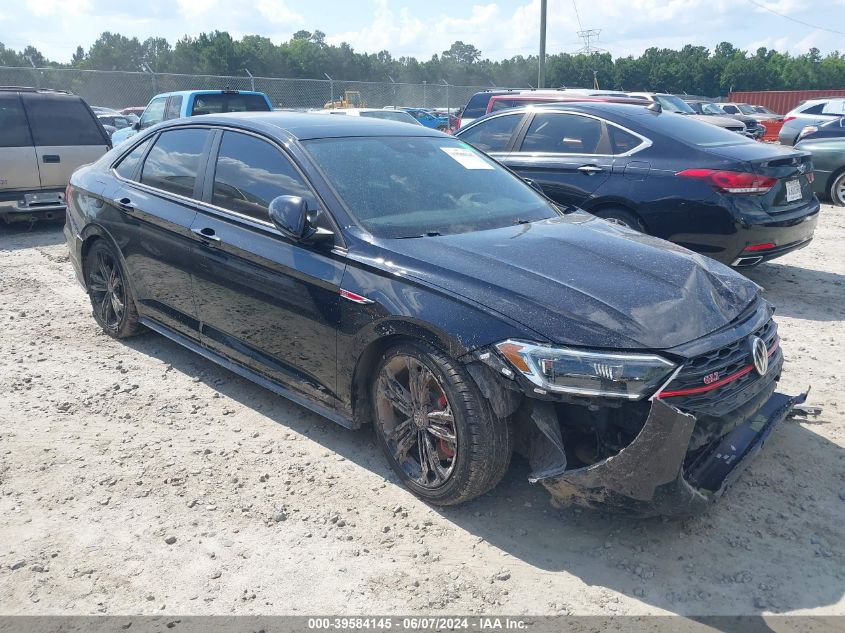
{"x":745,"y":108}
{"x":709,"y":108}
{"x":401,"y":187}
{"x":672,"y":103}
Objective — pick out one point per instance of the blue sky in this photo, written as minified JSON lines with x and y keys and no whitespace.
{"x":501,"y":29}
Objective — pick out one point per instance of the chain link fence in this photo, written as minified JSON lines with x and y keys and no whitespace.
{"x":121,"y":89}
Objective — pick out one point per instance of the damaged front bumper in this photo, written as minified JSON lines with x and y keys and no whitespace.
{"x":649,"y":476}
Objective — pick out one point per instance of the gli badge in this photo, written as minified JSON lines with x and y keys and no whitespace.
{"x":709,"y":379}
{"x":759,"y":356}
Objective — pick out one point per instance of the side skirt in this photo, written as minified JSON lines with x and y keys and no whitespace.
{"x":249,"y":374}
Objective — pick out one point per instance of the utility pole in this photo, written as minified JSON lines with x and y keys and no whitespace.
{"x":541,"y":70}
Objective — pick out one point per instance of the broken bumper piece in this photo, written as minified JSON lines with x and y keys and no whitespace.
{"x":649,"y":476}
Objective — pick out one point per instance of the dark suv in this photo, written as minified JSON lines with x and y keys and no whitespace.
{"x":44,"y":136}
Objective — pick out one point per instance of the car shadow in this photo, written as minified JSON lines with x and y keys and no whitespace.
{"x":802,"y":293}
{"x":21,"y":235}
{"x":772,"y":544}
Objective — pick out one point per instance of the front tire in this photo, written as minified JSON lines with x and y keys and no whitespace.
{"x":110,"y":294}
{"x":437,"y":431}
{"x":837,"y":190}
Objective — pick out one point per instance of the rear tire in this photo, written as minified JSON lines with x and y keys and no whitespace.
{"x":623,"y":217}
{"x":837,"y":190}
{"x":427,"y":410}
{"x":110,"y":294}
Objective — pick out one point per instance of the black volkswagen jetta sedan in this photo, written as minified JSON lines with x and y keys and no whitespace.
{"x":710,"y":190}
{"x":382,"y":273}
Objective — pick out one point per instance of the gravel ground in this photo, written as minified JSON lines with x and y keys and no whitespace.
{"x":137,"y":477}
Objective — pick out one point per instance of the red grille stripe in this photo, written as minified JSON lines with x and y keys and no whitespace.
{"x":719,"y":383}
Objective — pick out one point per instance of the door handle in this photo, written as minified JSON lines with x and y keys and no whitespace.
{"x":51,"y":158}
{"x":207,"y":234}
{"x":589,"y":169}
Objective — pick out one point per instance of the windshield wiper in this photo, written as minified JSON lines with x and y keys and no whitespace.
{"x":426,"y":234}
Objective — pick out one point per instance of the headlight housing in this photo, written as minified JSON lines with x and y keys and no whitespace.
{"x":587,"y":373}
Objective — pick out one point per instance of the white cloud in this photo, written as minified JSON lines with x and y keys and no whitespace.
{"x":278,"y":12}
{"x":194,"y":8}
{"x":44,"y":8}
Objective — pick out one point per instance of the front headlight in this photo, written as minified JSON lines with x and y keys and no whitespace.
{"x":629,"y":376}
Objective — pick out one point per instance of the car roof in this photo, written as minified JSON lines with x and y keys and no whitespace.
{"x":185,"y":93}
{"x":304,"y":125}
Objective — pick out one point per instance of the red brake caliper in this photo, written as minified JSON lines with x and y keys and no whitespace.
{"x":447,"y":450}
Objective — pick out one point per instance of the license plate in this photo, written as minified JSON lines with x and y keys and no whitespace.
{"x":793,"y":190}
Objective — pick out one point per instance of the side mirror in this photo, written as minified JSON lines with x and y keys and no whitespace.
{"x":136,"y":126}
{"x":292,"y":217}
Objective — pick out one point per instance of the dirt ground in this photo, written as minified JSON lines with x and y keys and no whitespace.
{"x":137,"y":477}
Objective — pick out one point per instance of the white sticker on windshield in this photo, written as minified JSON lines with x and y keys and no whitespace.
{"x":467,"y":158}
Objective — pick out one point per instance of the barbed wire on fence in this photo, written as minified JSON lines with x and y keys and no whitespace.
{"x":120,"y":89}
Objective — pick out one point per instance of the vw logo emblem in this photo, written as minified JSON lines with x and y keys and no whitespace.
{"x":759,"y":356}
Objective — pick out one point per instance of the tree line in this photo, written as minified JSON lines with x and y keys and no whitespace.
{"x":693,"y":69}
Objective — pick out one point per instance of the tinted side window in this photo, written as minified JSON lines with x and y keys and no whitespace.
{"x":154,"y":113}
{"x":622,"y":141}
{"x":502,"y":104}
{"x":174,"y":107}
{"x":492,"y":135}
{"x":14,"y":129}
{"x":174,"y":161}
{"x":62,"y":121}
{"x":563,"y":134}
{"x":816,"y":109}
{"x":127,"y":167}
{"x":250,"y":173}
{"x":730,"y":109}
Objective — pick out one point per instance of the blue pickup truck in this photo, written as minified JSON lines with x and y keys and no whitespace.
{"x":173,"y":105}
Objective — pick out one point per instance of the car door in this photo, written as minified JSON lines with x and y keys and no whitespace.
{"x":265,"y":301}
{"x":153,"y":113}
{"x":494,"y":135}
{"x":18,"y":163}
{"x":66,"y":135}
{"x":566,"y":153}
{"x":153,"y":207}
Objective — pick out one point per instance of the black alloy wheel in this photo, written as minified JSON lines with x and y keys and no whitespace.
{"x":436,"y":430}
{"x":111,"y":297}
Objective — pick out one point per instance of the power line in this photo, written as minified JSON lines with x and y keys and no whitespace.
{"x":577,"y":16}
{"x":796,"y":20}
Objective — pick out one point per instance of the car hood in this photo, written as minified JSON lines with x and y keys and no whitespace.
{"x":578,"y":280}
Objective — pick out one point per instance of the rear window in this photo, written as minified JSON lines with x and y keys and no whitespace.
{"x":226,"y":102}
{"x":64,"y":121}
{"x":813,"y":109}
{"x":173,"y":162}
{"x":690,"y":131}
{"x":14,"y":130}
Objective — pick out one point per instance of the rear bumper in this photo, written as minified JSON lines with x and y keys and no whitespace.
{"x":649,"y":477}
{"x":734,"y":230}
{"x":29,"y":205}
{"x":74,"y":247}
